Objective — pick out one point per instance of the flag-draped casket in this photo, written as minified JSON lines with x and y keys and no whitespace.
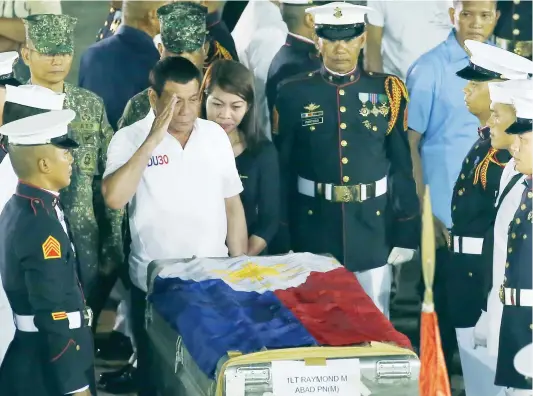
{"x":227,"y":312}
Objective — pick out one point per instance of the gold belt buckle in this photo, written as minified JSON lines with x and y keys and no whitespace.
{"x":347,"y":193}
{"x":502,"y":294}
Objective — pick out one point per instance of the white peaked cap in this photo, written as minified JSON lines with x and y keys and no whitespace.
{"x":339,"y":13}
{"x":508,"y":64}
{"x":38,"y":129}
{"x":35,"y":96}
{"x":523,"y":361}
{"x":518,"y":93}
{"x":7,"y":59}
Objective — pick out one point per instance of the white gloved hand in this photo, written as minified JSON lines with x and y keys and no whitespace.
{"x":481,"y":330}
{"x":400,"y":255}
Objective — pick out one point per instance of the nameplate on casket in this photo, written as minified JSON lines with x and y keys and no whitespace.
{"x":340,"y":377}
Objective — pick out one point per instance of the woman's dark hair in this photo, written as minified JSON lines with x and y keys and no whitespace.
{"x":234,"y":78}
{"x":175,"y":69}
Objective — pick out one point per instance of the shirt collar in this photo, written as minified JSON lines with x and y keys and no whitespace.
{"x":135,"y":36}
{"x":455,"y":51}
{"x":340,"y":79}
{"x":212,"y":19}
{"x":300,"y":38}
{"x":29,"y":191}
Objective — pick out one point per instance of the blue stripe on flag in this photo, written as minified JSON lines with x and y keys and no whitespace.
{"x":213,"y":319}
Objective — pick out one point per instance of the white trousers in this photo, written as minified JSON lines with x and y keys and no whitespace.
{"x":122,"y":320}
{"x":7,"y":325}
{"x":479,"y":368}
{"x":377,"y":284}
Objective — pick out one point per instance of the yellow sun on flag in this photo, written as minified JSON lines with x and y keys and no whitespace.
{"x":252,"y":272}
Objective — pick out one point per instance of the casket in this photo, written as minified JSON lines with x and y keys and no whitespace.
{"x":197,"y":310}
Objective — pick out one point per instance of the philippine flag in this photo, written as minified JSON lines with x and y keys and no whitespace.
{"x":247,"y":304}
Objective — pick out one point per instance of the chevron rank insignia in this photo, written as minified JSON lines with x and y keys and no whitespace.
{"x":51,"y":248}
{"x":59,"y":315}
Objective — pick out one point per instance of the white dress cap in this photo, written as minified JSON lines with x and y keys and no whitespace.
{"x":35,"y":96}
{"x":513,"y":92}
{"x":38,"y":129}
{"x":339,"y":13}
{"x":523,"y":361}
{"x":497,"y":60}
{"x":7,"y":60}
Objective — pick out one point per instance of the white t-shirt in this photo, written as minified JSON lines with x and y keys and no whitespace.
{"x":21,"y":8}
{"x":410,"y":29}
{"x":258,"y":35}
{"x":504,"y":217}
{"x":178,"y":210}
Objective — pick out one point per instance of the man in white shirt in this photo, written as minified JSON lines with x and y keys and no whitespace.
{"x":400,"y":31}
{"x":177,"y":175}
{"x":258,"y":35}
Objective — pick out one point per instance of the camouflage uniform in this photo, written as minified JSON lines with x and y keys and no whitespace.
{"x":183,"y":29}
{"x":96,"y":229}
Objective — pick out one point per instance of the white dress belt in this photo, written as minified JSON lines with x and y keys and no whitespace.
{"x":307,"y":187}
{"x":467,"y":245}
{"x":25,"y":322}
{"x":510,"y":297}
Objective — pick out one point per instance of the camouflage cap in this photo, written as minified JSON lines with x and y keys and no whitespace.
{"x":50,"y":34}
{"x":183,"y":26}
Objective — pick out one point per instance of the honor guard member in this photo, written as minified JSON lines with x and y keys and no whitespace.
{"x":516,"y":291}
{"x":513,"y":31}
{"x":221,"y":42}
{"x":299,"y":53}
{"x":183,"y":33}
{"x":345,"y":158}
{"x":52,"y":352}
{"x":114,"y":18}
{"x":474,"y":212}
{"x":96,"y":229}
{"x":7,"y":77}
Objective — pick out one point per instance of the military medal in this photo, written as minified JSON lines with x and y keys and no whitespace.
{"x":367,"y":124}
{"x":383,"y":107}
{"x":363,"y":97}
{"x":374,"y":100}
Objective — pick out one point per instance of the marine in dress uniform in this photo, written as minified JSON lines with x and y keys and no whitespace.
{"x":516,"y":291}
{"x":298,"y":55}
{"x":52,"y":352}
{"x":345,"y":157}
{"x":184,"y":31}
{"x":113,"y":21}
{"x":513,"y":31}
{"x":473,"y":213}
{"x":7,"y":77}
{"x":97,"y":230}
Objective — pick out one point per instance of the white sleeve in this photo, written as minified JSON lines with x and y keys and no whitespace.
{"x":120,"y":150}
{"x":232,"y":180}
{"x":377,"y":16}
{"x":79,"y":390}
{"x":44,"y":6}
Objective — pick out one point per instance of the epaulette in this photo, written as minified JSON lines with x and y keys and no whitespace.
{"x":36,"y":204}
{"x":221,"y":52}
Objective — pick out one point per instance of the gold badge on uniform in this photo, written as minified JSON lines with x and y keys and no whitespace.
{"x":338,"y":13}
{"x":313,"y":116}
{"x":383,"y":105}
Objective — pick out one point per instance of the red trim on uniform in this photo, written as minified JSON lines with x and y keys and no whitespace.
{"x":214,"y":24}
{"x":407,"y":218}
{"x":69,"y":343}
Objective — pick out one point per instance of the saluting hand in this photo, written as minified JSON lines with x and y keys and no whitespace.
{"x":162,"y":121}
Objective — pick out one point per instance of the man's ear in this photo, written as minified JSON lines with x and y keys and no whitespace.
{"x":44,"y":166}
{"x":309,"y":21}
{"x":451,"y":12}
{"x":153,"y":98}
{"x":160,"y":48}
{"x":25,"y":55}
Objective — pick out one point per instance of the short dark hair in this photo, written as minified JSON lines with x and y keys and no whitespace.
{"x":234,"y":78}
{"x":175,"y":69}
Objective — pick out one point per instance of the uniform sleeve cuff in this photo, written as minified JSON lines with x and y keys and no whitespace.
{"x":78,"y":390}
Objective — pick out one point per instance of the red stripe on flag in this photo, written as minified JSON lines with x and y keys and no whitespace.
{"x":336,"y":311}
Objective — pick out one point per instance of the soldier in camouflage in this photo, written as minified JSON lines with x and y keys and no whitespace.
{"x":183,"y":33}
{"x":96,"y":229}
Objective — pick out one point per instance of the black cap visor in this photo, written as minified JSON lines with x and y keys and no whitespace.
{"x":64,"y":142}
{"x":476,"y":73}
{"x":340,"y":32}
{"x":9,"y":79}
{"x":521,"y":125}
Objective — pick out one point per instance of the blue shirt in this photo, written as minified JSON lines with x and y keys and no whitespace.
{"x":437,"y":110}
{"x":117,"y":68}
